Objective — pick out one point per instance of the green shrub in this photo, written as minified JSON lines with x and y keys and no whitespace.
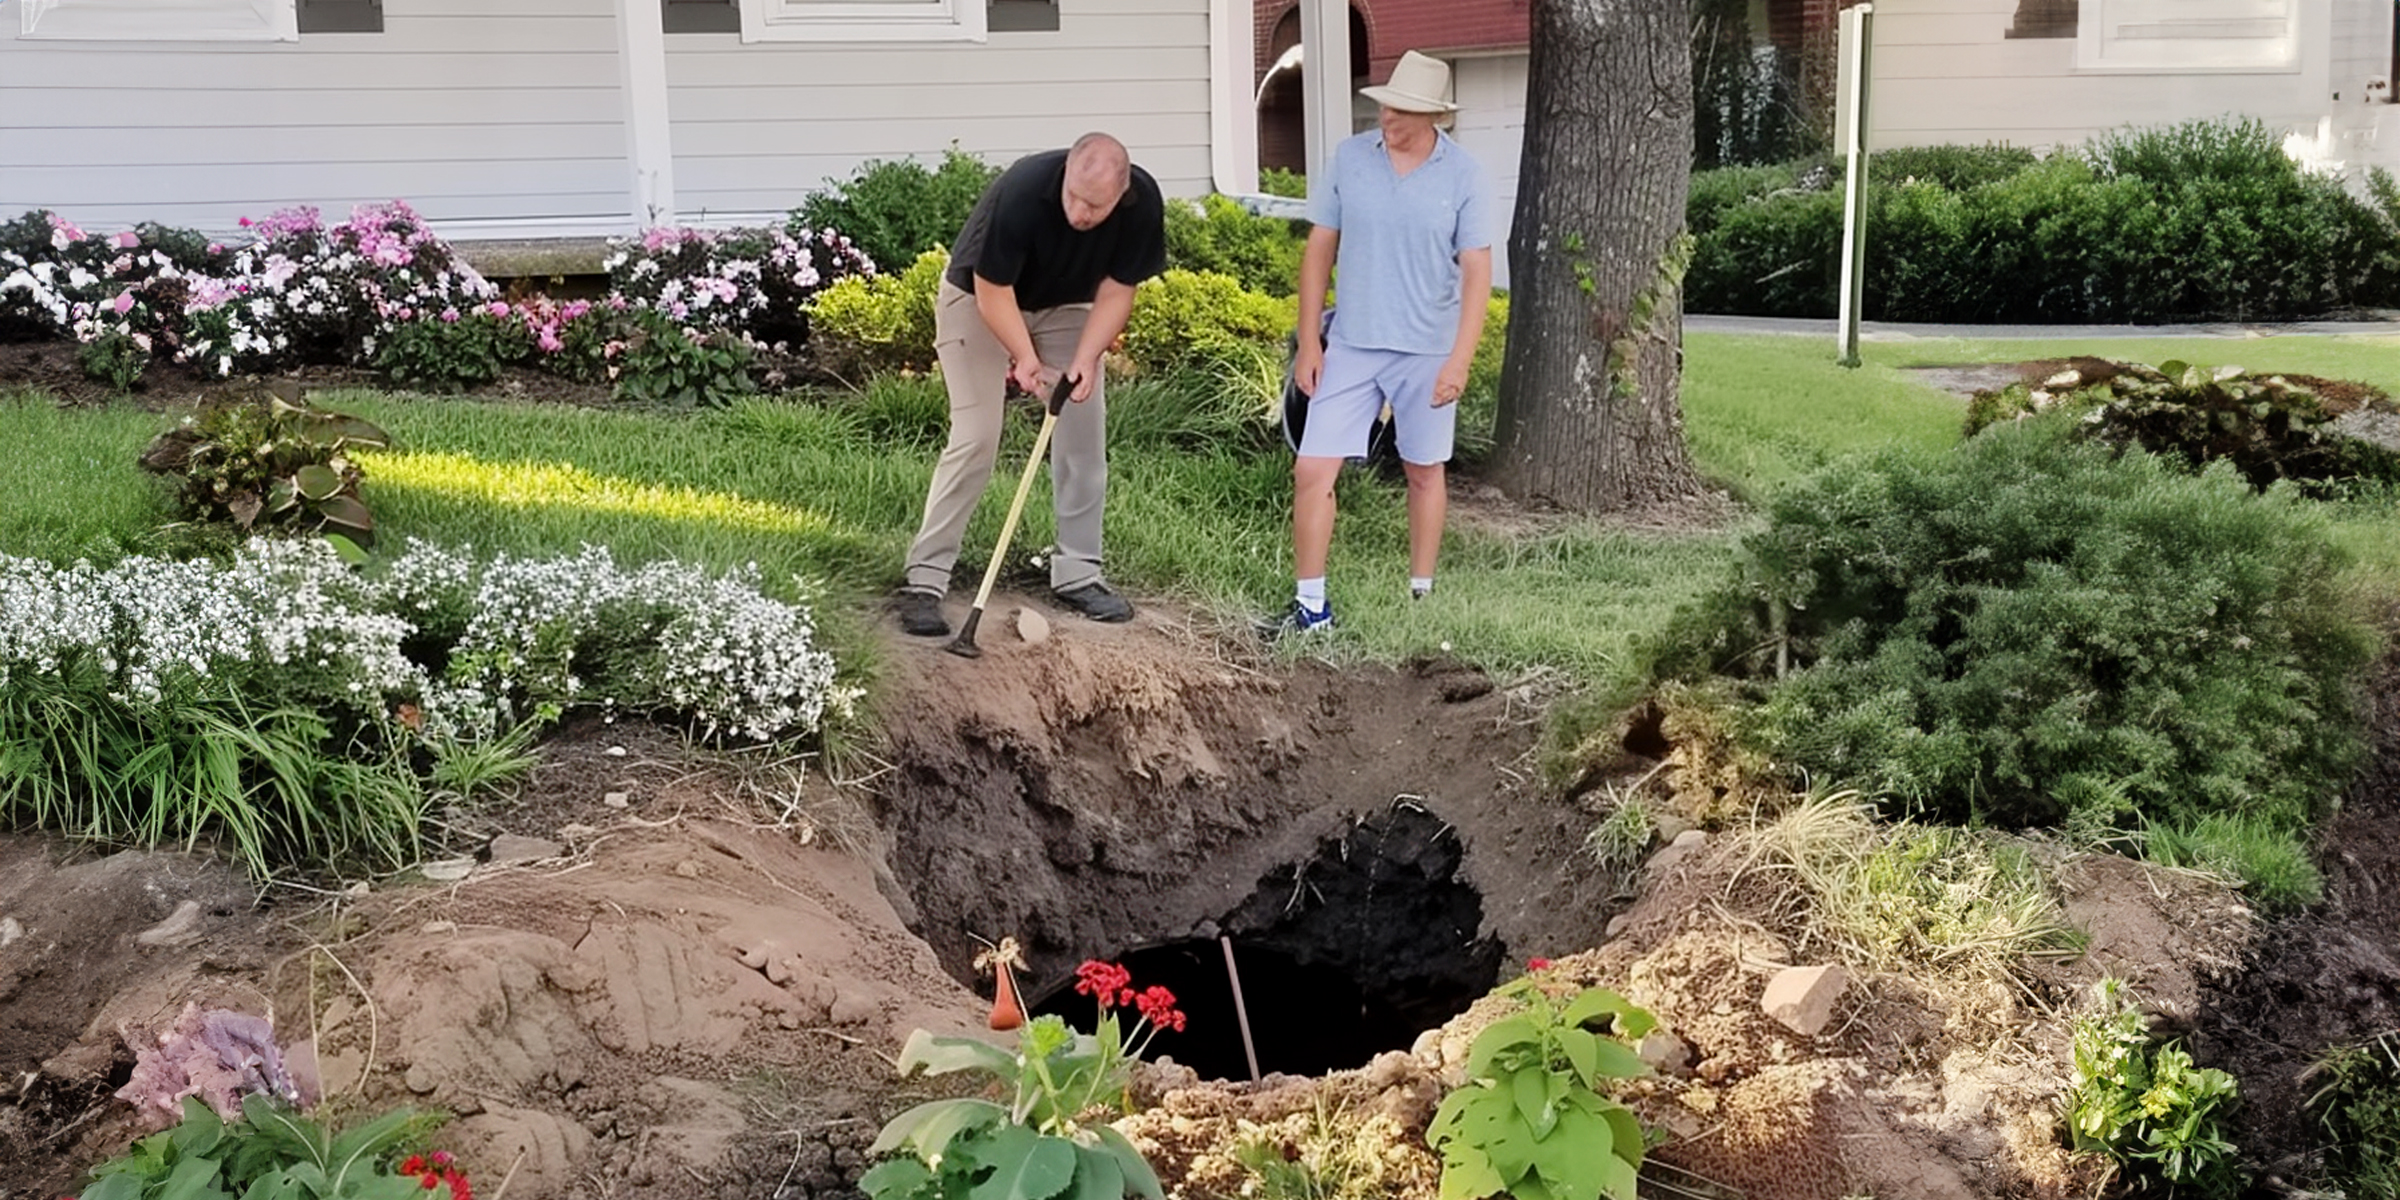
{"x":1184,"y":318}
{"x":895,"y":210}
{"x":2146,"y":1106}
{"x":675,"y":366}
{"x":869,"y":323}
{"x":1953,"y":168}
{"x":2359,"y":1107}
{"x":1214,"y":233}
{"x":2206,"y":219}
{"x":1281,"y":181}
{"x":1715,"y":192}
{"x":430,"y":354}
{"x":262,"y":456}
{"x":1774,"y":256}
{"x":2029,"y":630}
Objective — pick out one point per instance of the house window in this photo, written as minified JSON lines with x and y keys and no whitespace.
{"x":702,"y":16}
{"x":2188,"y":35}
{"x":341,"y":16}
{"x":864,"y":20}
{"x":160,"y":20}
{"x":2044,"y":19}
{"x":1023,"y":16}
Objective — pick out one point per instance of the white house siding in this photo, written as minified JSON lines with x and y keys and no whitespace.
{"x":758,"y":126}
{"x":485,"y":115}
{"x":1490,"y":93}
{"x":1945,"y":71}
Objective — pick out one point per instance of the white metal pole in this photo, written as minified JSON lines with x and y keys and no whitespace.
{"x":1324,"y":77}
{"x":1857,"y":68}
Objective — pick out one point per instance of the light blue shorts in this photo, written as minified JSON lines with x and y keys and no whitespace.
{"x":1352,"y":391}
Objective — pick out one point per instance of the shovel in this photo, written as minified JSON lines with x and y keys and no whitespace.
{"x":964,"y":644}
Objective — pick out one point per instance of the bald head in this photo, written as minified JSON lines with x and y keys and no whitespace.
{"x":1098,"y":173}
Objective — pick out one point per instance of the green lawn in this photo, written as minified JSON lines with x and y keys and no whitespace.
{"x":824,"y":493}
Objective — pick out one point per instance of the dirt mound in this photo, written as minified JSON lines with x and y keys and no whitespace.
{"x":692,"y":991}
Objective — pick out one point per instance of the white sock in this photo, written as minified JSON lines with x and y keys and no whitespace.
{"x":1420,"y":584}
{"x":1312,"y":594}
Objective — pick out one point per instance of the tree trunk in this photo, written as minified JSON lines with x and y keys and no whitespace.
{"x":1589,"y":411}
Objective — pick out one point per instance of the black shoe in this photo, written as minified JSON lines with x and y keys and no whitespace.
{"x":920,"y":614}
{"x":1096,"y":601}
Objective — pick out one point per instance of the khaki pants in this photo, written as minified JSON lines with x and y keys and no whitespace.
{"x":975,"y":369}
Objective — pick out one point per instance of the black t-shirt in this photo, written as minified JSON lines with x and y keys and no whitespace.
{"x":1018,"y":236}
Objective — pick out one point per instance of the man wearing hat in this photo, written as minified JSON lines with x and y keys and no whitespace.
{"x":1403,"y":216}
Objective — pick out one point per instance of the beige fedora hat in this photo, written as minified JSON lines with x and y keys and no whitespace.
{"x":1419,"y":83}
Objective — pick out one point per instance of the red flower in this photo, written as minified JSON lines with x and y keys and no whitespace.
{"x":431,"y":1181}
{"x":1537,"y":964}
{"x":415,"y":1165}
{"x":458,"y":1185}
{"x":1106,"y":982}
{"x":1158,"y":1004}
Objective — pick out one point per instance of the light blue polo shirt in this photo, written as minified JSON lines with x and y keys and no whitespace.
{"x":1397,"y":270}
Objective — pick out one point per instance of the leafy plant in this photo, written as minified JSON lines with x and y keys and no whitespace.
{"x":895,"y":210}
{"x":1185,"y":317}
{"x":264,"y":454}
{"x":116,"y":359}
{"x":1283,"y":181}
{"x":1045,"y":1140}
{"x":666,"y":363}
{"x":2359,"y":1107}
{"x":868,"y":323}
{"x":2145,"y":1105}
{"x":275,"y":1153}
{"x":1531,"y":1121}
{"x":754,"y":282}
{"x":452,"y":352}
{"x":1215,"y":233}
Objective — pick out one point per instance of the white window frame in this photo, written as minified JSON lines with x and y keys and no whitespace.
{"x":2188,"y":36}
{"x":159,"y":20}
{"x":863,"y":21}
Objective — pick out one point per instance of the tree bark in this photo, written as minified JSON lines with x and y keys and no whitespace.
{"x":1590,"y":416}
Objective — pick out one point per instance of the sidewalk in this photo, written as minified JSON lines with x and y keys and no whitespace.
{"x":1883,"y":331}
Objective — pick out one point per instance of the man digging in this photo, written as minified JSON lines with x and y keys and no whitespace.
{"x":1040,"y":283}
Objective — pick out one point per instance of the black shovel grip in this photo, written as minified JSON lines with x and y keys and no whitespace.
{"x":1062,"y":393}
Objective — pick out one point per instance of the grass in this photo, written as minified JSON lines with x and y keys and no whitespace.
{"x":71,"y":485}
{"x":1763,"y":412}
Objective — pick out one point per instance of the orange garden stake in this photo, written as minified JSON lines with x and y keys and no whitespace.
{"x":1008,"y":1010}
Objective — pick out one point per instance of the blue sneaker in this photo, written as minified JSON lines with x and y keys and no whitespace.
{"x":1299,"y":619}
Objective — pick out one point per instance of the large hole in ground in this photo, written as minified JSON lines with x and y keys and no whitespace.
{"x":1354,"y":951}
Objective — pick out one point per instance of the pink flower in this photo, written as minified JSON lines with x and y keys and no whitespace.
{"x":449,"y":314}
{"x":128,"y":239}
{"x":497,"y":308}
{"x":124,"y":303}
{"x":245,"y":222}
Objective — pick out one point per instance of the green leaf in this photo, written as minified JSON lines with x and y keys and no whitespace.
{"x":1632,"y":1020}
{"x":281,"y":496}
{"x":1629,"y":1142}
{"x":929,"y":1127}
{"x":942,"y":1055}
{"x":1500,"y":1035}
{"x":194,"y":1179}
{"x":1467,"y":1174}
{"x":380,"y":1187}
{"x":120,"y":1186}
{"x":1583,"y":1054}
{"x":896,"y":1177}
{"x":1530,"y":1090}
{"x":1025,"y":1166}
{"x":1097,"y":1175}
{"x":316,"y":481}
{"x":347,"y":550}
{"x":1139,"y":1178}
{"x":200,"y":1131}
{"x":347,"y":512}
{"x":357,"y":1150}
{"x":1614,"y":1061}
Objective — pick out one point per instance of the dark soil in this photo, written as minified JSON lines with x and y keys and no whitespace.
{"x":2326,"y":978}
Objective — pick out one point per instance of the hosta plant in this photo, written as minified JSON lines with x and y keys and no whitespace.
{"x":1046,"y":1137}
{"x":264,"y":455}
{"x":1532,"y":1121}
